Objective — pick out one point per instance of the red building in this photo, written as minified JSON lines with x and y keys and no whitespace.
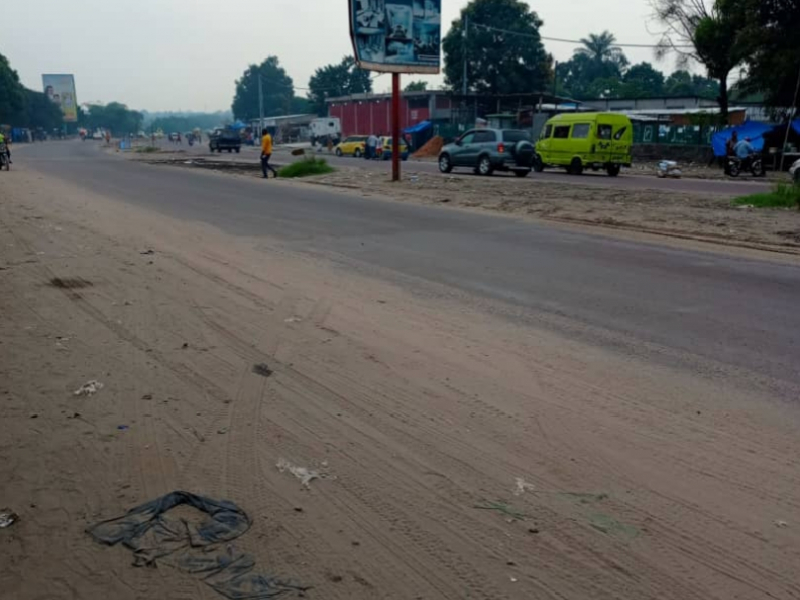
{"x":364,"y":114}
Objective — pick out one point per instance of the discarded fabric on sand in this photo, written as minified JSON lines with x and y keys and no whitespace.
{"x":199,"y":546}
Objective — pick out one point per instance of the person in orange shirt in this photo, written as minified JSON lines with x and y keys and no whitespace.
{"x":266,"y":153}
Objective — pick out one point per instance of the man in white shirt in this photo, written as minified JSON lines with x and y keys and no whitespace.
{"x":372,"y":144}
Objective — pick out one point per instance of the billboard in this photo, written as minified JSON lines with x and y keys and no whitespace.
{"x":61,"y":90}
{"x":397,"y":36}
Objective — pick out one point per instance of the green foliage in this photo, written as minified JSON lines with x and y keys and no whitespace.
{"x":306,"y":168}
{"x":497,"y":62}
{"x":683,"y":83}
{"x":709,"y":33}
{"x":277,"y":87}
{"x":22,"y":107}
{"x":783,"y":195}
{"x":147,"y":150}
{"x":11,"y":91}
{"x":114,"y":116}
{"x":772,"y":42}
{"x":185,"y":123}
{"x":601,"y":49}
{"x":417,"y":86}
{"x":642,"y":81}
{"x":341,"y":79}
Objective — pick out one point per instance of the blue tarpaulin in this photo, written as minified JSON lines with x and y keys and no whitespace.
{"x":796,"y":125}
{"x":748,"y":129}
{"x":237,"y":125}
{"x":419,"y":127}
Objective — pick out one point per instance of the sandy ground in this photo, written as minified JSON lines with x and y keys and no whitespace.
{"x":682,"y":215}
{"x":464,"y":455}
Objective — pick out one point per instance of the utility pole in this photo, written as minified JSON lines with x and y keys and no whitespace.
{"x":395,"y":126}
{"x":464,"y":76}
{"x":260,"y":108}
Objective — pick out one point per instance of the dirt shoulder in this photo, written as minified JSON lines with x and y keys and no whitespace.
{"x":460,"y":455}
{"x":681,"y":215}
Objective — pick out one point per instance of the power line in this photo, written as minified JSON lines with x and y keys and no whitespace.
{"x":563,"y":40}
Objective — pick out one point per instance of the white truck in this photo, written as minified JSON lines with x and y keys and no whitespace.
{"x":328,"y":128}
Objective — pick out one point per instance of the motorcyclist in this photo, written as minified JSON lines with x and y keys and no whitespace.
{"x":5,"y":140}
{"x":744,"y":151}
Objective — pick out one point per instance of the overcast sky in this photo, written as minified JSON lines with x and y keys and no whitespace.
{"x":186,"y":54}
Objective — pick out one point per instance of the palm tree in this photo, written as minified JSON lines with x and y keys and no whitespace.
{"x":601,"y":49}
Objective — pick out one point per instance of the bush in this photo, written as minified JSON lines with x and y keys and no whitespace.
{"x":306,"y":168}
{"x":783,"y":195}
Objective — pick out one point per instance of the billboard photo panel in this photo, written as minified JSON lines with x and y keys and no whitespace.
{"x":60,"y":89}
{"x":397,"y":36}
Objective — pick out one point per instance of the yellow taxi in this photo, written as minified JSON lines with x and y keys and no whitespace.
{"x":352,"y":146}
{"x":384,"y":150}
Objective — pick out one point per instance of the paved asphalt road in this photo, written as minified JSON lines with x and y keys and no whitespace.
{"x":730,"y":188}
{"x":712,"y":313}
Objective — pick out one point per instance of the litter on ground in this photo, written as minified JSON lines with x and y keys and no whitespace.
{"x":304,"y":474}
{"x":198,"y":546}
{"x":90,"y":388}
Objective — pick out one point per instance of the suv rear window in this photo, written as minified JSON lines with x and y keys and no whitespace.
{"x":561,"y":132}
{"x":515,"y":135}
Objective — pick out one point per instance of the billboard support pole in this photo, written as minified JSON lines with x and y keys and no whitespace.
{"x":395,"y":126}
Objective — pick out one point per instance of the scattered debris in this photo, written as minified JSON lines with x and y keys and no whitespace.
{"x":669,"y":168}
{"x":304,"y":474}
{"x":147,"y":252}
{"x":72,"y":283}
{"x":514,"y":580}
{"x":185,"y":345}
{"x":609,"y":525}
{"x":293,"y":320}
{"x":90,"y":388}
{"x":200,"y":546}
{"x":123,"y":427}
{"x":533,"y":530}
{"x":781,"y":524}
{"x":523,"y":486}
{"x":222,"y":431}
{"x":298,"y":509}
{"x":7,"y":518}
{"x":503,"y":509}
{"x":262,"y":369}
{"x":586,"y":498}
{"x":34,"y":416}
{"x":147,"y":397}
{"x":75,"y":415}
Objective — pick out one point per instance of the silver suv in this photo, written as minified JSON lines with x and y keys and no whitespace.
{"x":490,"y":150}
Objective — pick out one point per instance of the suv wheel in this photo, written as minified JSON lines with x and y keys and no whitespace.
{"x":338,"y":152}
{"x":538,"y":165}
{"x":575,"y":167}
{"x":357,"y":153}
{"x":484,"y":166}
{"x":612,"y":170}
{"x":445,"y":166}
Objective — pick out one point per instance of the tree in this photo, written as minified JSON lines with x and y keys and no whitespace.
{"x":12,"y":99}
{"x":773,"y":50}
{"x":604,"y":54}
{"x":642,"y":81}
{"x":38,"y":111}
{"x":503,"y":49}
{"x":114,"y":116}
{"x":683,"y":83}
{"x":710,"y":36}
{"x":277,"y":88}
{"x":332,"y":81}
{"x":417,"y":86}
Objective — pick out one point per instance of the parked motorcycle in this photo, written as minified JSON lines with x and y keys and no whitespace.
{"x":754,"y":164}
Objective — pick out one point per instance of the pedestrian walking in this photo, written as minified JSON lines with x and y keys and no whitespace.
{"x":266,"y":153}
